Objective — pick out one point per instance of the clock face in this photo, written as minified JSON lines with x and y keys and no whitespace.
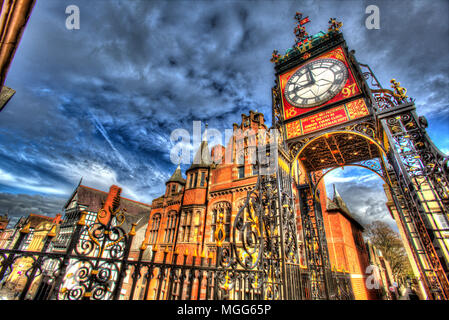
{"x":316,"y":82}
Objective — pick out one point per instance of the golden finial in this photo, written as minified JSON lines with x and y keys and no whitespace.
{"x":155,"y":248}
{"x":26,"y":228}
{"x":132,"y":232}
{"x":82,"y":219}
{"x":143,"y":246}
{"x":186,"y":253}
{"x":210,"y":255}
{"x":52,"y":232}
{"x":203,"y":254}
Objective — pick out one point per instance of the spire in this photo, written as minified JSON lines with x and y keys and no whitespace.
{"x":337,"y":203}
{"x":202,"y":157}
{"x":205,"y":134}
{"x":336,"y":194}
{"x":338,"y":200}
{"x":177,"y":176}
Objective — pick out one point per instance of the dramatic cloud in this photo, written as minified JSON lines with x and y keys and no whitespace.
{"x":101,"y":102}
{"x":363,"y":192}
{"x":18,"y":205}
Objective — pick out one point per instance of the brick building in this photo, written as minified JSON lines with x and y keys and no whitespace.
{"x":88,"y":199}
{"x":347,"y":248}
{"x":184,"y":218}
{"x":38,"y":227}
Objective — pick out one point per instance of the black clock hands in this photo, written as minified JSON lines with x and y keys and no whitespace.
{"x":315,"y":82}
{"x":310,"y":81}
{"x":310,"y":76}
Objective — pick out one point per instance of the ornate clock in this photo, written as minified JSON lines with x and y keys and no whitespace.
{"x":316,"y":82}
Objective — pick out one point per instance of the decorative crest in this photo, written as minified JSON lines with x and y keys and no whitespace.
{"x":275,"y":56}
{"x":399,"y":92}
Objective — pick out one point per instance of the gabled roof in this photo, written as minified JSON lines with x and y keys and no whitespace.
{"x":338,"y":204}
{"x":36,"y":219}
{"x":136,"y":212}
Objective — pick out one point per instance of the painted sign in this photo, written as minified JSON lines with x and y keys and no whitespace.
{"x":326,"y":119}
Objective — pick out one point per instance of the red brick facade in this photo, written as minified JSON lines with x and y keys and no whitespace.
{"x":347,"y":248}
{"x":213,"y":186}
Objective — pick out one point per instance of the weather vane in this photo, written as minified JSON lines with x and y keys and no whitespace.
{"x":300,"y":30}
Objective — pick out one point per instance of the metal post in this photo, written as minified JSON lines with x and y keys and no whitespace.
{"x":124,"y":264}
{"x":23,"y":232}
{"x":65,"y":261}
{"x":37,"y":263}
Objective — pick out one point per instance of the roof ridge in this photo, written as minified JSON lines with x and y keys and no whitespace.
{"x":146,"y":204}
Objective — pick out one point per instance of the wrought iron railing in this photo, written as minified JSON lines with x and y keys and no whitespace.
{"x":71,"y":275}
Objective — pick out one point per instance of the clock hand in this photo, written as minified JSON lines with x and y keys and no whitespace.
{"x":310,"y":81}
{"x":310,"y":76}
{"x":302,"y":86}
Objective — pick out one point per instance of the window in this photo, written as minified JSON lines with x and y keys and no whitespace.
{"x":203,"y":179}
{"x":213,"y":226}
{"x":227,"y":223}
{"x":197,"y":223}
{"x":191,"y":180}
{"x":241,"y":172}
{"x":182,"y":228}
{"x":170,"y":229}
{"x":255,"y":169}
{"x":186,"y":222}
{"x":154,"y":228}
{"x":241,"y":157}
{"x":195,"y":178}
{"x":173,"y":188}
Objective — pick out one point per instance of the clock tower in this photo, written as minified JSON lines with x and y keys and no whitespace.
{"x":331,"y":111}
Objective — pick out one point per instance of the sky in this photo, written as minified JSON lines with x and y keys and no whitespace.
{"x":101,"y":102}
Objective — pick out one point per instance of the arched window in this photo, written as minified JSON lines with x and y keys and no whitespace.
{"x":155,"y":222}
{"x":170,"y":228}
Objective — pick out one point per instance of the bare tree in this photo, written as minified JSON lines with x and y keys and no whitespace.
{"x":389,"y":242}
